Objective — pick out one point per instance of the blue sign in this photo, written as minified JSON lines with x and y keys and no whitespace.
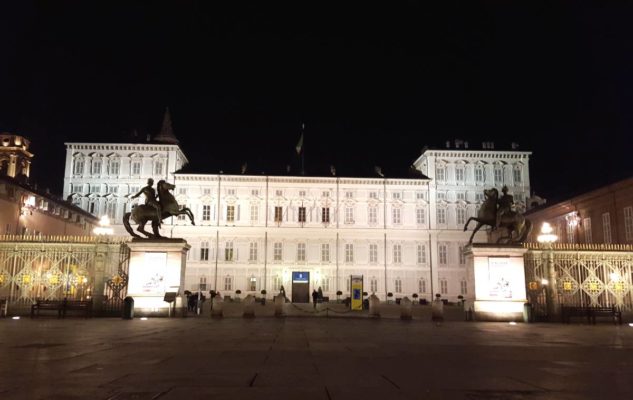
{"x":300,"y":277}
{"x":357,"y":294}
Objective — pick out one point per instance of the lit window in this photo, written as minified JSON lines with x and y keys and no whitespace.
{"x":230,"y":213}
{"x":252,"y":284}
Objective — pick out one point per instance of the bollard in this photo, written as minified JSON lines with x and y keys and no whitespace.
{"x":374,"y":306}
{"x":405,"y":309}
{"x":437,"y":309}
{"x":128,"y":308}
{"x":279,"y":305}
{"x":249,"y":307}
{"x":528,"y":313}
{"x":216,"y":310}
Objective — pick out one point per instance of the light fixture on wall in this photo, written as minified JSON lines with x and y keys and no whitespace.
{"x":546,"y":235}
{"x":573,"y":219}
{"x":104,"y":228}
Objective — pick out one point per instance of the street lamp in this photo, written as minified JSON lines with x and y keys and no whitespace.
{"x":104,"y":228}
{"x":551,"y":290}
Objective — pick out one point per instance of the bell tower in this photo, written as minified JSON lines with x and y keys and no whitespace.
{"x":15,"y":158}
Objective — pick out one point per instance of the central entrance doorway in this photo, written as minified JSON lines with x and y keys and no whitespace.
{"x":300,"y":287}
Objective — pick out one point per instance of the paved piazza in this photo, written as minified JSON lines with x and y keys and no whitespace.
{"x":311,"y":358}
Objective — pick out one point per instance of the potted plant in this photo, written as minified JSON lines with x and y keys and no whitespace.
{"x":338,"y":296}
{"x":238,"y":292}
{"x":461,"y":299}
{"x":263,"y":292}
{"x":389,"y":296}
{"x":415,"y":297}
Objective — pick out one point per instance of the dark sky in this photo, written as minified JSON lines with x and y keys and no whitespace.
{"x":373,"y":83}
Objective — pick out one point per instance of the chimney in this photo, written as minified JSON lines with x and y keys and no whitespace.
{"x":448,"y":144}
{"x":148,"y":137}
{"x":515,"y":145}
{"x":465,"y":145}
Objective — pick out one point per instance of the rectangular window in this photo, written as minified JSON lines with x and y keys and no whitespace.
{"x":182,"y":191}
{"x":278,"y":214}
{"x":158,"y":168}
{"x":302,"y":193}
{"x":254,"y":212}
{"x":206,"y":213}
{"x":628,"y":223}
{"x":569,"y":229}
{"x":279,"y":193}
{"x":420,"y":216}
{"x":113,"y":189}
{"x":325,"y":252}
{"x":372,"y":215}
{"x":395,"y":216}
{"x":115,"y":166}
{"x":421,"y":286}
{"x":373,"y":195}
{"x":78,"y":167}
{"x":349,"y":253}
{"x":443,"y":254}
{"x":461,"y":216}
{"x":461,"y":196}
{"x":440,"y":174}
{"x":136,"y":167}
{"x":254,"y":192}
{"x":326,"y":194}
{"x":349,"y":195}
{"x":76,"y":189}
{"x":441,"y":196}
{"x":202,"y":286}
{"x":181,"y":217}
{"x":479,"y":174}
{"x":228,"y":283}
{"x":95,"y":188}
{"x":302,"y":214}
{"x":441,"y":216}
{"x":206,"y":191}
{"x":397,"y":254}
{"x":325,"y":284}
{"x":96,"y":167}
{"x":459,"y":174}
{"x":373,"y":285}
{"x":204,"y":251}
{"x":325,"y":215}
{"x":421,"y":254}
{"x":516,"y":175}
{"x":479,"y":197}
{"x":277,"y":251}
{"x":230,"y":213}
{"x":606,"y":227}
{"x":395,"y":195}
{"x":252,"y":284}
{"x":463,"y":287}
{"x":462,"y":256}
{"x":398,"y":285}
{"x":419,"y":195}
{"x":349,"y":215}
{"x":277,"y":282}
{"x":498,"y":175}
{"x":443,"y":286}
{"x":252,"y":252}
{"x":373,"y":253}
{"x":587,"y":228}
{"x":228,"y":251}
{"x":301,"y":251}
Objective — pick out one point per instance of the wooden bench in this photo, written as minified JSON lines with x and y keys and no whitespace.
{"x":62,"y":307}
{"x":77,"y":305}
{"x":4,"y":303}
{"x":47,"y":305}
{"x":567,"y":312}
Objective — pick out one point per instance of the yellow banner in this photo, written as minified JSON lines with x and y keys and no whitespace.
{"x":357,"y":292}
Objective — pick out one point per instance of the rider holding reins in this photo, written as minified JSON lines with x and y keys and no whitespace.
{"x":150,"y":198}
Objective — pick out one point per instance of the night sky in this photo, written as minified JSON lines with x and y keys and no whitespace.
{"x":374,"y":84}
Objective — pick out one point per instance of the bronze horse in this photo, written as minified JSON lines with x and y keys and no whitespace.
{"x":142,"y":214}
{"x":514,"y":222}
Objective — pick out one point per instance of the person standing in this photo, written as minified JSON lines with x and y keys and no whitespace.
{"x":315,"y":297}
{"x":320,"y":292}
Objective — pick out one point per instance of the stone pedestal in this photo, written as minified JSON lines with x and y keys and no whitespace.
{"x":496,"y":276}
{"x":374,"y":306}
{"x":157,"y":267}
{"x":405,"y":309}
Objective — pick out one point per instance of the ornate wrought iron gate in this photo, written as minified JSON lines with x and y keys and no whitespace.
{"x":586,"y":275}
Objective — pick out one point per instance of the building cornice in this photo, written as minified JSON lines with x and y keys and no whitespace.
{"x":301,"y":179}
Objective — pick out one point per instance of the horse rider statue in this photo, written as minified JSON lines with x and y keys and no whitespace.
{"x":159,"y":204}
{"x":150,"y":198}
{"x":506,"y":203}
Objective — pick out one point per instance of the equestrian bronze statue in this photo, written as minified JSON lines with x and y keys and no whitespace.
{"x":498,"y":214}
{"x":155,"y":210}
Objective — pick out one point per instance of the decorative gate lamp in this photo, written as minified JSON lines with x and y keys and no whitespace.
{"x":104,"y":228}
{"x":546,"y":236}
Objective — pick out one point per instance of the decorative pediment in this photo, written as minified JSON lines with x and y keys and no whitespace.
{"x":206,"y":199}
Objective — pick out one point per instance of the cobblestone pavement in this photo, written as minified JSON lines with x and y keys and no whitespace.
{"x":311,"y":358}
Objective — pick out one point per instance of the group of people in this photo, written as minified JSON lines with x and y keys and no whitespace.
{"x":317,"y":296}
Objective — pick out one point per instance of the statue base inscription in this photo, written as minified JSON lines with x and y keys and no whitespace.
{"x":496,"y":276}
{"x":157,"y":267}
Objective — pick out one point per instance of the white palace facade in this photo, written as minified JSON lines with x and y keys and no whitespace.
{"x":252,"y":232}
